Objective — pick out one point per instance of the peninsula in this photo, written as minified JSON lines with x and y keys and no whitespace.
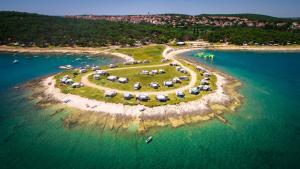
{"x":154,"y":86}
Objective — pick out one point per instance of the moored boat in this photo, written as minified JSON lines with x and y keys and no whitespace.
{"x":149,"y":139}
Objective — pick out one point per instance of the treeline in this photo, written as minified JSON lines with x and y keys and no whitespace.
{"x":39,"y":30}
{"x":244,"y":35}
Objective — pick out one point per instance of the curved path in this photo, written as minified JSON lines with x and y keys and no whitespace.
{"x":168,"y":54}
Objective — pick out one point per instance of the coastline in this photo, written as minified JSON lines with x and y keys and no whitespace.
{"x":290,"y":48}
{"x":65,"y":50}
{"x":224,"y":98}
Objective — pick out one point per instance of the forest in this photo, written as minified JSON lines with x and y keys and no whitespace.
{"x":27,"y":29}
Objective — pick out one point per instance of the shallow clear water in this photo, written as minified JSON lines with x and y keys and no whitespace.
{"x":263,"y":133}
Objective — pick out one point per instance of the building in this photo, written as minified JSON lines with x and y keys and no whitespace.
{"x":180,"y":94}
{"x":112,"y":66}
{"x":128,"y":96}
{"x":161,"y":71}
{"x":204,"y":82}
{"x":168,"y":83}
{"x":205,"y":88}
{"x":95,"y":68}
{"x":112,"y":78}
{"x":82,"y":70}
{"x":194,"y":91}
{"x":162,"y":98}
{"x":102,"y":73}
{"x":207,"y":74}
{"x":180,"y":43}
{"x":143,"y":97}
{"x":123,"y":80}
{"x":185,"y":78}
{"x":154,"y":85}
{"x":110,"y":93}
{"x":97,"y":77}
{"x":154,"y":72}
{"x":77,"y":85}
{"x":145,"y":72}
{"x":137,"y":86}
{"x":176,"y":80}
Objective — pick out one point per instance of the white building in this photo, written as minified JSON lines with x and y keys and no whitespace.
{"x":123,"y":80}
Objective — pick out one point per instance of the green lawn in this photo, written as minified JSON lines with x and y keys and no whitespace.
{"x":152,"y":53}
{"x":134,"y":75}
{"x":93,"y":93}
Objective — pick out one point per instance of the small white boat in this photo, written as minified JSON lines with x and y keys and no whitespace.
{"x":149,"y":139}
{"x":15,"y":61}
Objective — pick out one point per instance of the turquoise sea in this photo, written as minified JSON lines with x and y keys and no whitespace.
{"x":264,"y":133}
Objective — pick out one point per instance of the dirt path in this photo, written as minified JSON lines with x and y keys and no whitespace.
{"x":166,"y":54}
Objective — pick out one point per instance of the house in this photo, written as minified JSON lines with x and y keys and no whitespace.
{"x":161,"y":71}
{"x":183,"y":71}
{"x":207,"y":74}
{"x":64,"y":79}
{"x":82,"y":70}
{"x":112,"y":66}
{"x":168,"y":83}
{"x":128,"y":63}
{"x":204,"y":82}
{"x":180,"y":94}
{"x":146,"y":61}
{"x":143,"y":97}
{"x":154,"y":85}
{"x":94,"y":68}
{"x":194,"y":91}
{"x":69,"y":81}
{"x":184,"y":78}
{"x":199,"y":68}
{"x":77,"y":85}
{"x":162,"y":98}
{"x":110,"y":93}
{"x":145,"y":72}
{"x":112,"y":78}
{"x":176,"y":80}
{"x":137,"y":86}
{"x":154,"y":72}
{"x":205,"y":88}
{"x":102,"y":72}
{"x":97,"y":77}
{"x":180,"y":43}
{"x":87,"y":66}
{"x":178,"y":68}
{"x":128,"y":96}
{"x":123,"y":80}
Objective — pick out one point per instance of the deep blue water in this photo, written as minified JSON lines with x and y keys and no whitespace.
{"x":263,"y":133}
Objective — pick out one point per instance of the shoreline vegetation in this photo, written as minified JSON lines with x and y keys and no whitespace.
{"x":224,"y":97}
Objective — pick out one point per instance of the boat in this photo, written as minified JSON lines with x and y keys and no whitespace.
{"x":15,"y":61}
{"x":149,"y":139}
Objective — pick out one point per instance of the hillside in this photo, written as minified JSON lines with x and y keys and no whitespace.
{"x":27,"y":29}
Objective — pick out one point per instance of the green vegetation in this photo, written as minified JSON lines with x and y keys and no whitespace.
{"x":24,"y":29}
{"x":134,"y":75}
{"x":151,"y":53}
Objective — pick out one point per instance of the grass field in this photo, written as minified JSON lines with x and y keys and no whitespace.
{"x":134,"y":75}
{"x":152,"y":53}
